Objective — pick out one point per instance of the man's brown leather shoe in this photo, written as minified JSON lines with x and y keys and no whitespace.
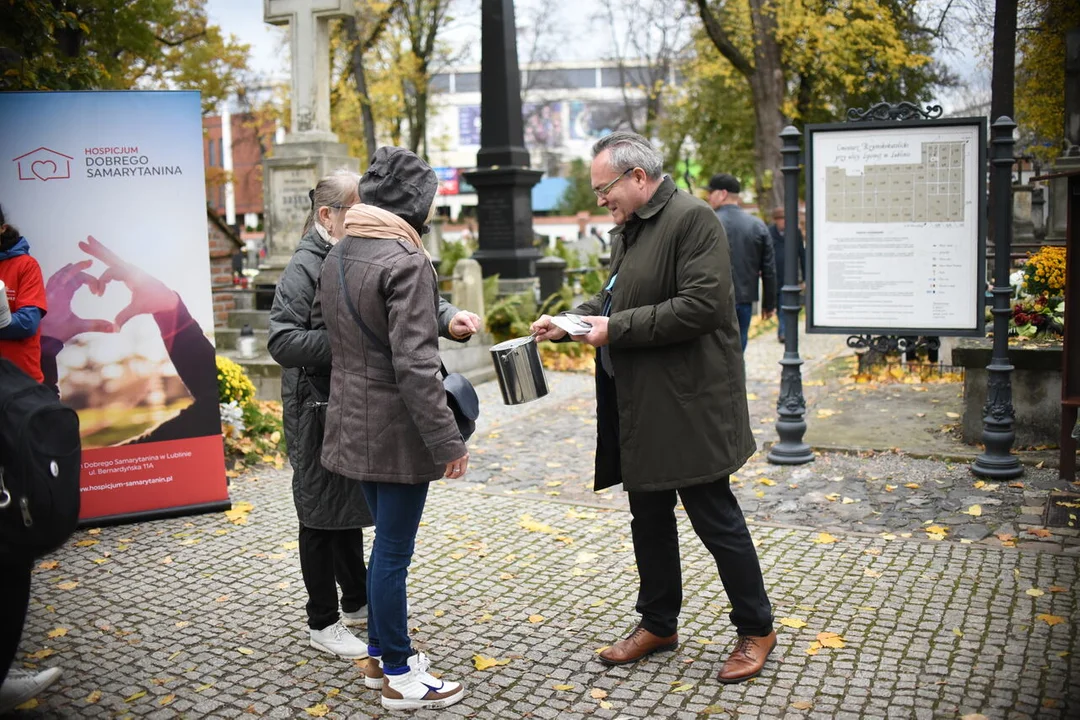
{"x":747,"y":659}
{"x":637,"y":645}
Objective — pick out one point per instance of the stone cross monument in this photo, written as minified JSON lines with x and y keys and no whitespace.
{"x":310,"y":150}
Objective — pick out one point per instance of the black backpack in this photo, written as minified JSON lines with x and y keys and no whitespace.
{"x":40,"y":462}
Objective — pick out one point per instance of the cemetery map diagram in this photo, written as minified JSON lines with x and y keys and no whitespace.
{"x":931,"y":190}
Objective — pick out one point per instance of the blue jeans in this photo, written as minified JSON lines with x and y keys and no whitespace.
{"x":744,"y":311}
{"x":397,"y":510}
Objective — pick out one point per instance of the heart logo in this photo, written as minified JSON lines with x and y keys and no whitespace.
{"x":86,"y":304}
{"x":44,"y":169}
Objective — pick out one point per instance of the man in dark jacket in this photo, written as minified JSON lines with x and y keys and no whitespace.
{"x":672,"y":420}
{"x":776,"y":233}
{"x":751,"y":252}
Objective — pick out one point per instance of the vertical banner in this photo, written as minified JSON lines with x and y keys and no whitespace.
{"x":108,"y":189}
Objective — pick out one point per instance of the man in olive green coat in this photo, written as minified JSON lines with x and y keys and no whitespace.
{"x":672,"y":419}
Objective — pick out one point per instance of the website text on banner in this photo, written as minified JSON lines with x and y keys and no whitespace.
{"x":108,"y":189}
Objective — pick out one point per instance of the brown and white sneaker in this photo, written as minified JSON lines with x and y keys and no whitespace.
{"x":372,"y":670}
{"x":417,"y":689}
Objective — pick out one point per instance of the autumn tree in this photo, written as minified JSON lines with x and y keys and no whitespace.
{"x":648,"y":39}
{"x":102,"y":44}
{"x":579,"y":195}
{"x":805,"y":60}
{"x":1040,"y":75}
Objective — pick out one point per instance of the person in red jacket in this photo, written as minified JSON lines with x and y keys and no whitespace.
{"x":20,"y":341}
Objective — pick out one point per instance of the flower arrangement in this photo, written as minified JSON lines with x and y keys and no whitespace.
{"x":1044,"y":272}
{"x":252,"y":430}
{"x":1038,"y":310}
{"x":233,"y":383}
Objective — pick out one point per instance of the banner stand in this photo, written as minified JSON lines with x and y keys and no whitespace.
{"x":163,"y":514}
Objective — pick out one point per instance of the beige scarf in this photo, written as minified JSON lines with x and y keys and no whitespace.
{"x":368,"y":221}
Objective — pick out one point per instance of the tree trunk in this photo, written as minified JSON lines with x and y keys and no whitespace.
{"x":766,"y":78}
{"x":767,"y":87}
{"x":418,"y":123}
{"x":360,"y":78}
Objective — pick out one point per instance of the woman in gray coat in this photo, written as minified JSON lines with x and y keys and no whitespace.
{"x":388,"y":425}
{"x":331,"y":508}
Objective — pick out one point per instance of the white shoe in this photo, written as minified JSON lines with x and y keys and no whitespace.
{"x":337,"y":640}
{"x":417,"y":689}
{"x":22,"y":685}
{"x":351,"y":619}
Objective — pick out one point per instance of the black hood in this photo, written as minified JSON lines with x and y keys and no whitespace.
{"x":400,"y":182}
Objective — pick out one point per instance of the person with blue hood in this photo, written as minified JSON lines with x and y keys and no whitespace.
{"x":21,"y":281}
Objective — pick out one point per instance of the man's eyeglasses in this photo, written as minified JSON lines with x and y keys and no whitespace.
{"x":602,"y":192}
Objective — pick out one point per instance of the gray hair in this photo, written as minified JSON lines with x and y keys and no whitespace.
{"x":630,"y":150}
{"x":334,"y":189}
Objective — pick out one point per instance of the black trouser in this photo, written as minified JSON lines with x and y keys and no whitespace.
{"x":326,"y":556}
{"x":13,"y":602}
{"x":715,"y":515}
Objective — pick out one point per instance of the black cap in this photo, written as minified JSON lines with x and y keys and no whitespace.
{"x":400,"y":182}
{"x":723,"y":181}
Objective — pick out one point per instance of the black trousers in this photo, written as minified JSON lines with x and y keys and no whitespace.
{"x":718,"y":521}
{"x":327,"y":556}
{"x":13,"y":603}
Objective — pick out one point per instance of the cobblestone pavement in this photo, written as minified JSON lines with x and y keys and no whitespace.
{"x":545,"y":450}
{"x":521,"y":562}
{"x":199,"y":617}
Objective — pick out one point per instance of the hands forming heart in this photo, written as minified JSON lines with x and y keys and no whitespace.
{"x":148,"y":294}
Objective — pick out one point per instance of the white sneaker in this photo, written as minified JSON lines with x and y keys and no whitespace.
{"x":22,"y":685}
{"x":337,"y":640}
{"x":359,"y":617}
{"x":417,"y":689}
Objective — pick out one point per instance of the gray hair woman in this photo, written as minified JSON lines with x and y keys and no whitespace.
{"x":388,"y":425}
{"x":331,"y":509}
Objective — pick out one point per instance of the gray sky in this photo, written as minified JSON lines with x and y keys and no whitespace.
{"x":579,"y":38}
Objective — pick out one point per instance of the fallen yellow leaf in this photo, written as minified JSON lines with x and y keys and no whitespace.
{"x":802,"y":705}
{"x":166,"y":700}
{"x":483,"y":663}
{"x":93,"y":697}
{"x":813,"y":648}
{"x":136,"y":696}
{"x":682,"y":687}
{"x":830,"y":640}
{"x":958,"y":632}
{"x":291,"y":545}
{"x":1050,"y":620}
{"x":40,"y":654}
{"x":49,"y":565}
{"x":793,"y":622}
{"x":536,"y":619}
{"x":1039,"y":532}
{"x":871,"y":573}
{"x":28,"y":705}
{"x":597,"y":694}
{"x":58,"y":632}
{"x":531,"y":525}
{"x":439,"y":613}
{"x":606,"y":705}
{"x":824,"y":538}
{"x":70,"y":585}
{"x":562,"y":688}
{"x":1034,"y":592}
{"x":86,"y":543}
{"x":766,"y":481}
{"x":1058,"y":588}
{"x":245,"y":651}
{"x":319,"y":710}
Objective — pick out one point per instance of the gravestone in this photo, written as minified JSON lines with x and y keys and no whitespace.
{"x":1070,"y":159}
{"x":468,"y":292}
{"x":310,"y":150}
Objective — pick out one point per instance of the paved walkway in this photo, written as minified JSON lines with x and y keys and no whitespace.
{"x":522,"y":563}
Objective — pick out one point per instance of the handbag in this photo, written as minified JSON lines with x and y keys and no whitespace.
{"x":460,"y":394}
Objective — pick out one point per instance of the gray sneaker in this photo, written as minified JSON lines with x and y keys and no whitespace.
{"x":22,"y":685}
{"x":352,"y":619}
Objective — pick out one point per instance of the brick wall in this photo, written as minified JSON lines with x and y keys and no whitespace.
{"x":222,"y":246}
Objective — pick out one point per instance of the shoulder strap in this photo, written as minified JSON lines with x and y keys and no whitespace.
{"x":344,"y":290}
